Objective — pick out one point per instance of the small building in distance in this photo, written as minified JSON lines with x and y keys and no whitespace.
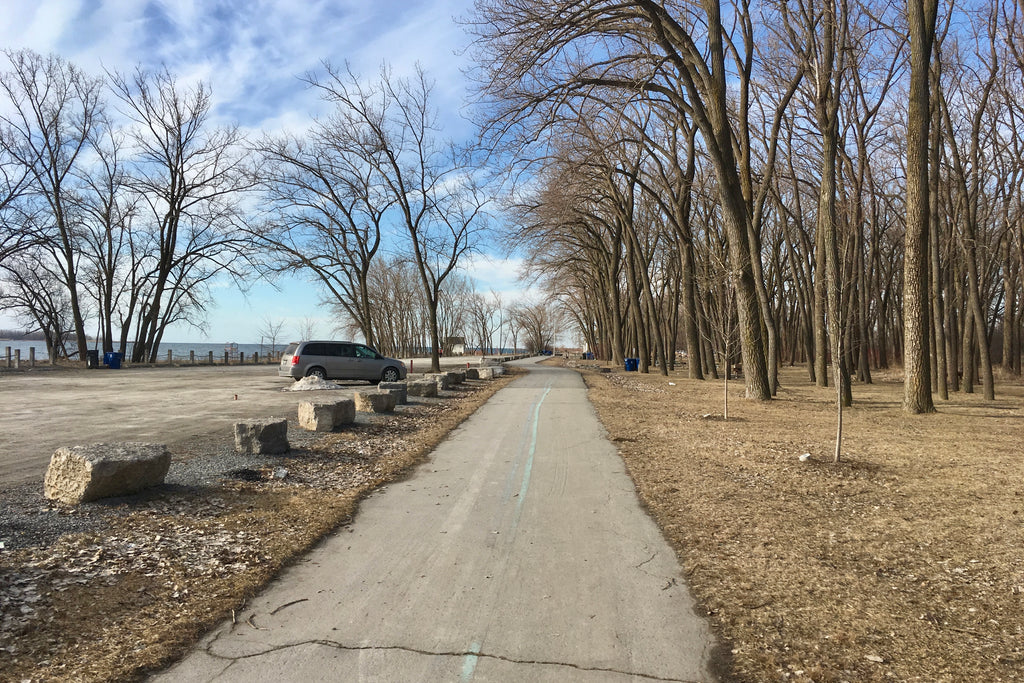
{"x":455,"y":346}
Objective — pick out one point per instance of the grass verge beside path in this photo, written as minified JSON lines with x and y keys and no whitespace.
{"x":130,"y":598}
{"x":904,"y":562}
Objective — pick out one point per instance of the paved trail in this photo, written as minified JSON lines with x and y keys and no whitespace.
{"x":518,"y":552}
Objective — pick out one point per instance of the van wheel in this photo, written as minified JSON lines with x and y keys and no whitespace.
{"x":319,"y":373}
{"x":389,"y":375}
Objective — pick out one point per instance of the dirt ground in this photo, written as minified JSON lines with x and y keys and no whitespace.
{"x":904,"y":562}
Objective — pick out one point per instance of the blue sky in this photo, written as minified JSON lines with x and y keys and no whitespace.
{"x":251,"y":53}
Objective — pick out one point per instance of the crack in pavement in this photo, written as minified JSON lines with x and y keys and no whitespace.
{"x":649,"y":559}
{"x":411,"y":650}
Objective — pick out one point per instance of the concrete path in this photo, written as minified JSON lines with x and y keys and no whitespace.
{"x":518,"y":552}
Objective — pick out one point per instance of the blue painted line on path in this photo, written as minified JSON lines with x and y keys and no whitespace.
{"x":469,"y":664}
{"x":470,"y":661}
{"x":528,"y":469}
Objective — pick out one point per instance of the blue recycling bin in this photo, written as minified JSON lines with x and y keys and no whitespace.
{"x":632,"y":364}
{"x":112,"y":359}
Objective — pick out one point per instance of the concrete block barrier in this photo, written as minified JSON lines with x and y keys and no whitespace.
{"x":326,"y":416}
{"x":399,"y":389}
{"x":441,"y":379}
{"x":268,"y":436}
{"x":374,"y":401}
{"x":78,"y":474}
{"x":426,"y":388}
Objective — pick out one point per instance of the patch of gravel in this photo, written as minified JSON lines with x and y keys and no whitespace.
{"x":29,"y":520}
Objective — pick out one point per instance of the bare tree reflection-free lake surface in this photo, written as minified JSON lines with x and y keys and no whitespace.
{"x":179,"y":350}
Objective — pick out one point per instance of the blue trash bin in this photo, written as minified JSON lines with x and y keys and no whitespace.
{"x":114,"y":362}
{"x":632,"y":364}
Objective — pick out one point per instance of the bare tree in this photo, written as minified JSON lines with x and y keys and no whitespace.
{"x":922,"y":16}
{"x":398,"y":309}
{"x":54,"y":107}
{"x":541,"y":323}
{"x":15,"y":226}
{"x":31,"y":290}
{"x":721,"y":313}
{"x":499,"y":325}
{"x":327,"y":205}
{"x":481,"y":310}
{"x":535,"y":57}
{"x":967,"y":122}
{"x":270,"y":332}
{"x":190,"y":175}
{"x":431,"y":185}
{"x":307,"y":328}
{"x":110,"y":244}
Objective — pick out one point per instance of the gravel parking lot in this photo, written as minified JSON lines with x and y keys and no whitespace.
{"x":45,"y":409}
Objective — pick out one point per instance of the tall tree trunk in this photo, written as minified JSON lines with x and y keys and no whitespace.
{"x":938,"y":318}
{"x":977,"y":313}
{"x":970,"y":368}
{"x":820,"y":306}
{"x":917,"y":394}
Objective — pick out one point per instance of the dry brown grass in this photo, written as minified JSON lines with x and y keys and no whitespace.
{"x":905,"y":562}
{"x":116,"y":604}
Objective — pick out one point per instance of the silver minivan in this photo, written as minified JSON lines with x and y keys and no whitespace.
{"x":338,"y":360}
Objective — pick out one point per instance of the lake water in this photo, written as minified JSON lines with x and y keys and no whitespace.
{"x":179,"y":350}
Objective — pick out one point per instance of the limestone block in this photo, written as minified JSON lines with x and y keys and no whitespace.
{"x":325,"y":416}
{"x":498,"y":370}
{"x":316,"y":416}
{"x":472,"y":373}
{"x":374,"y":401}
{"x":485,"y":373}
{"x":427,"y":388}
{"x":268,"y":436}
{"x":79,"y":474}
{"x":456,"y":376}
{"x":441,"y":379}
{"x":399,"y":389}
{"x":344,"y":412}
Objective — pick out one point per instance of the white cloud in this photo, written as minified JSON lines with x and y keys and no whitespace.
{"x":252,"y":53}
{"x":493,"y":272}
{"x":27,"y":24}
